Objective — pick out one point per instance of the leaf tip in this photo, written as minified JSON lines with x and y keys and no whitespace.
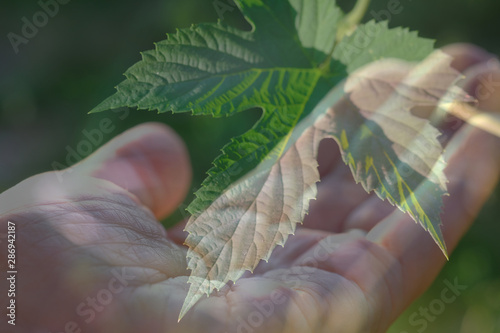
{"x":442,"y":246}
{"x":97,"y":109}
{"x":437,"y":235}
{"x":191,"y":299}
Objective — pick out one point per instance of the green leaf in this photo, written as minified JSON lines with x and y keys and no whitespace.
{"x":218,"y":70}
{"x":278,"y":66}
{"x":375,"y":41}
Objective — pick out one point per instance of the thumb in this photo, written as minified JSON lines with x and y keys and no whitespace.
{"x":150,"y":161}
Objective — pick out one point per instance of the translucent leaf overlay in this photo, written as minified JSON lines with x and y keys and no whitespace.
{"x":309,"y":88}
{"x":388,"y":149}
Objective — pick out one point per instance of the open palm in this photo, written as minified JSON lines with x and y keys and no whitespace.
{"x":92,"y":256}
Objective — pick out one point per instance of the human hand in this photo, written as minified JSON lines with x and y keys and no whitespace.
{"x":93,"y":258}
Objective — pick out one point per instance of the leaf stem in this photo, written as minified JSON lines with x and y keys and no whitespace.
{"x":352,"y":19}
{"x":346,"y":27}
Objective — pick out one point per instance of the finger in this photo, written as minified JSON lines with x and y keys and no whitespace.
{"x":484,"y":83}
{"x":149,"y":161}
{"x":473,"y":171}
{"x":466,"y":55}
{"x":481,"y":79}
{"x":368,"y":214}
{"x":177,"y":234}
{"x":338,"y":195}
{"x":328,"y":157}
{"x":466,"y":59}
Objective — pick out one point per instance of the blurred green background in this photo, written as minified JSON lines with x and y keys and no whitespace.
{"x":74,"y":62}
